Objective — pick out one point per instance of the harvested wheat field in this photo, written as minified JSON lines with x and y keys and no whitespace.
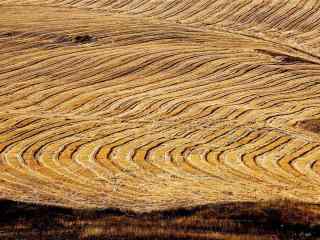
{"x":151,"y":106}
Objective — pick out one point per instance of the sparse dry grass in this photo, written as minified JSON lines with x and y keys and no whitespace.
{"x":241,"y":221}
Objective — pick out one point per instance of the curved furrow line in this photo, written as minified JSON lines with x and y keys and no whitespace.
{"x":225,"y":11}
{"x":118,"y":156}
{"x":173,"y":13}
{"x":234,"y":159}
{"x":138,"y":155}
{"x":66,"y":161}
{"x":250,"y":160}
{"x":44,"y":83}
{"x":69,"y":184}
{"x":296,"y":100}
{"x":92,"y":85}
{"x":295,"y":113}
{"x":103,"y":89}
{"x":280,"y":163}
{"x":197,"y":151}
{"x":30,"y":140}
{"x":286,"y":162}
{"x":156,"y":152}
{"x":299,"y":19}
{"x":292,"y":11}
{"x":163,"y":176}
{"x":24,"y":179}
{"x":281,"y":92}
{"x":259,"y":20}
{"x":29,"y":165}
{"x":126,"y":190}
{"x":48,"y":62}
{"x":235,"y":84}
{"x":257,"y":97}
{"x":51,"y":165}
{"x":303,"y":164}
{"x":197,"y":8}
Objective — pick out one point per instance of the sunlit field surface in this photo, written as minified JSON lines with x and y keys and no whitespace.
{"x":156,"y":107}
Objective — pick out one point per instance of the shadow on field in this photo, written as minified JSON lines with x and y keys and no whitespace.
{"x":241,"y":220}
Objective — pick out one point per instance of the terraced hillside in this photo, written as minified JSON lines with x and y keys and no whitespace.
{"x":154,"y":104}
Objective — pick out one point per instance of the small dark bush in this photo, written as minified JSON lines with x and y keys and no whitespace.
{"x":83,"y":39}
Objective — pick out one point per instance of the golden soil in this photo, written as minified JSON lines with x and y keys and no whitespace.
{"x":150,"y":104}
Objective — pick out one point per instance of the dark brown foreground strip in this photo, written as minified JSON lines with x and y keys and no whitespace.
{"x":242,"y":220}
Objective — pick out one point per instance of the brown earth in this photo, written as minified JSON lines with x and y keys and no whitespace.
{"x":239,"y":221}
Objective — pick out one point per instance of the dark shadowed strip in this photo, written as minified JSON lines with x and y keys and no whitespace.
{"x":239,"y":220}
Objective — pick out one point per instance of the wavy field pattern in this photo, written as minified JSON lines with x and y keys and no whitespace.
{"x":152,"y":104}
